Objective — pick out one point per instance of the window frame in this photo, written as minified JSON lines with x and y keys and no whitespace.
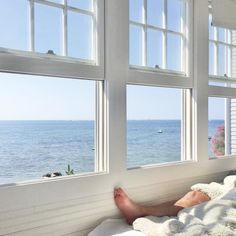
{"x":142,"y":75}
{"x":186,"y":43}
{"x":35,"y":63}
{"x":224,"y":89}
{"x":226,"y":80}
{"x":227,"y":128}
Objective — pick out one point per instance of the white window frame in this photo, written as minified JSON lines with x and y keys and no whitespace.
{"x":18,"y":61}
{"x":217,"y":92}
{"x":34,"y":63}
{"x":224,"y":90}
{"x":142,"y":75}
{"x":227,"y":79}
{"x":184,"y":34}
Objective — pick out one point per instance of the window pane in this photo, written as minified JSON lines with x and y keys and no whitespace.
{"x":222,"y":35}
{"x":154,"y":48}
{"x":174,"y":52}
{"x":222,"y":60}
{"x":153,"y":125}
{"x":155,"y":13}
{"x":212,"y":58}
{"x":80,"y":36}
{"x":42,"y":131}
{"x":48,"y":29}
{"x":233,"y":37}
{"x":233,"y":62}
{"x":221,"y":132}
{"x":136,"y":9}
{"x":136,"y":45}
{"x":82,"y":4}
{"x":174,"y":15}
{"x":14,"y":24}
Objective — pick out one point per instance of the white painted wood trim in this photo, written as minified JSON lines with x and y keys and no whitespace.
{"x":200,"y":91}
{"x":225,"y":92}
{"x":48,"y":67}
{"x":154,"y":78}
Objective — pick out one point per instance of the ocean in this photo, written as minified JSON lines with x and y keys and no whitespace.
{"x":31,"y":149}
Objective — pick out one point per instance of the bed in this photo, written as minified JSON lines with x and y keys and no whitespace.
{"x":214,"y":218}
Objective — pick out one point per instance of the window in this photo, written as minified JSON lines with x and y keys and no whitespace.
{"x":47,"y":124}
{"x":52,"y":93}
{"x":222,"y":51}
{"x":154,"y":125}
{"x":221,"y":130}
{"x":158,"y":93}
{"x":50,"y":27}
{"x":158,"y":33}
{"x":221,"y":102}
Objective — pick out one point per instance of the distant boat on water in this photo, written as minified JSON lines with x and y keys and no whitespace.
{"x":160,"y":131}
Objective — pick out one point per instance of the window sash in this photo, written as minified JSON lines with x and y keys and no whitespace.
{"x":183,"y":35}
{"x":35,"y":63}
{"x":186,"y":143}
{"x":228,"y":79}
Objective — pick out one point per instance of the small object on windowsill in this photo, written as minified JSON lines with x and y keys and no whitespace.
{"x":225,"y":75}
{"x":157,"y":66}
{"x":51,"y":175}
{"x":50,"y":52}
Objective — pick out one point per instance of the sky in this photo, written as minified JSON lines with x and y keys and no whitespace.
{"x":25,"y":97}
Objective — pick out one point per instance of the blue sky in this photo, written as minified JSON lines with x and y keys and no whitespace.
{"x":32,"y":97}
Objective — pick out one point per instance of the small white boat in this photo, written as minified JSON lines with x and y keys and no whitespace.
{"x":160,"y":131}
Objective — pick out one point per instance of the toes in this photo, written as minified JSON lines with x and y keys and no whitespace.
{"x":117,"y":191}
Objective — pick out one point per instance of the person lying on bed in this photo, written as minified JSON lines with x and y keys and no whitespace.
{"x":132,"y":210}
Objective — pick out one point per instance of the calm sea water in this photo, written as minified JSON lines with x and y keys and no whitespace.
{"x":30,"y":149}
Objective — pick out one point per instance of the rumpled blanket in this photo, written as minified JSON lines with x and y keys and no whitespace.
{"x":214,"y":218}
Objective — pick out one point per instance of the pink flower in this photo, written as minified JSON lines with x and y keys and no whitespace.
{"x":218,"y":141}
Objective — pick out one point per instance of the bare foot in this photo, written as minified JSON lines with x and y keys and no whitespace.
{"x":128,"y":208}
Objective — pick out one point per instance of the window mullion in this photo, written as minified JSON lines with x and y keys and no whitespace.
{"x":227,"y":126}
{"x":145,"y":34}
{"x":100,"y":160}
{"x":229,"y":56}
{"x":65,"y":29}
{"x":186,"y":126}
{"x":216,"y":58}
{"x":183,"y":39}
{"x":165,"y":37}
{"x":94,"y":35}
{"x":31,"y":20}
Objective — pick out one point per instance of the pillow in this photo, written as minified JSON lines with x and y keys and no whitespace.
{"x":230,"y":181}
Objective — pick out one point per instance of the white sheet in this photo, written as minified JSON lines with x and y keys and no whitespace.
{"x":112,"y":227}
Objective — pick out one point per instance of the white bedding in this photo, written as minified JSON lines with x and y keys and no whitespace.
{"x":214,"y":218}
{"x":112,"y":227}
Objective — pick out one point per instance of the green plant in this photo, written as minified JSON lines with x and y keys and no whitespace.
{"x":69,"y":170}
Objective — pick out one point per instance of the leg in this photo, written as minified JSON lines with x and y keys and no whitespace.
{"x":132,"y":211}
